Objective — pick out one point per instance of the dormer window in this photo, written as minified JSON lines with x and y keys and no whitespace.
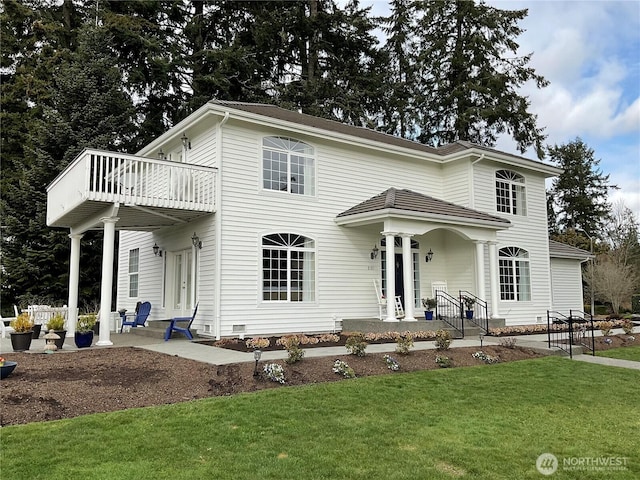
{"x":510,"y":193}
{"x":288,"y":165}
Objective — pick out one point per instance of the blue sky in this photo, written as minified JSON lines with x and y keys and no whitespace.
{"x":590,"y":53}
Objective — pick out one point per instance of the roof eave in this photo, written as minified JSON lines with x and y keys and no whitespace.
{"x":508,"y":159}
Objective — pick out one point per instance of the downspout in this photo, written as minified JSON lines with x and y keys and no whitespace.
{"x":218,"y":271}
{"x":472,"y":203}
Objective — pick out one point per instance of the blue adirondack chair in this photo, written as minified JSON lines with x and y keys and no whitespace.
{"x":137,"y":319}
{"x":177,"y":324}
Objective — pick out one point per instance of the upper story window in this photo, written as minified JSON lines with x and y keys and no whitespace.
{"x":288,"y":165}
{"x":510,"y":193}
{"x":515,"y":279}
{"x":134,"y":262}
{"x":288,"y":268}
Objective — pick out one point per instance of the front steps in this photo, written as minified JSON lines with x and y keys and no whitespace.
{"x":154,"y":329}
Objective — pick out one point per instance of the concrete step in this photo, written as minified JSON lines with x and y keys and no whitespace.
{"x":154,"y":329}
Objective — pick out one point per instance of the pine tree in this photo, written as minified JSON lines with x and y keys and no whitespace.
{"x":471,"y":75}
{"x":579,"y":193}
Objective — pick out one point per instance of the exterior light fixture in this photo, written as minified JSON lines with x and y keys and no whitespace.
{"x":186,"y":143}
{"x":374,"y":252}
{"x":481,"y":336}
{"x":156,"y":250}
{"x":429,"y":256}
{"x":195,"y":240}
{"x":161,"y":155}
{"x":256,"y":356}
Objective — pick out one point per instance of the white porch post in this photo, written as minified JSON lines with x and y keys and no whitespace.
{"x":74,"y":279}
{"x":391,"y":276}
{"x":480,"y":281}
{"x":106,"y":286}
{"x":407,"y":266}
{"x":493,"y":274}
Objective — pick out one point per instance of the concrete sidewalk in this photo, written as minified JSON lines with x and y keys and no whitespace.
{"x":220,"y":356}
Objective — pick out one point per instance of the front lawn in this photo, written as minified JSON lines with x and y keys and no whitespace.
{"x":624,"y":353}
{"x":486,"y":422}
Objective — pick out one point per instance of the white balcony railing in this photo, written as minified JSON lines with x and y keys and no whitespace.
{"x":115,"y":177}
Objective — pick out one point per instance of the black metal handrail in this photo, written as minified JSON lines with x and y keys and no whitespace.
{"x":480,"y":317}
{"x":448,"y":310}
{"x":560,"y":331}
{"x":582,"y":324}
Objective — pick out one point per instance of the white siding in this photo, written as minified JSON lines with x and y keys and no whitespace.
{"x":566,"y":279}
{"x":528,"y":232}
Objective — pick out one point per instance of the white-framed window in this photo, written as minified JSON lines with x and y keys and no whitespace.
{"x":288,"y":268}
{"x":288,"y":165}
{"x":510,"y":193}
{"x":134,"y":265}
{"x":515,"y":277}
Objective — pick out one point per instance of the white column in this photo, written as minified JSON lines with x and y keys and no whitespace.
{"x":480,"y":281}
{"x":407,"y":268}
{"x":74,"y":279}
{"x":391,"y":276}
{"x":106,"y":286}
{"x":493,"y":274}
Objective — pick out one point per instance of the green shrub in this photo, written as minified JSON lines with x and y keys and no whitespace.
{"x":627,"y":326}
{"x":294,"y":352}
{"x":405,"y":344}
{"x":443,"y":340}
{"x":22,"y":323}
{"x":56,"y":322}
{"x":86,"y":322}
{"x":356,"y":345}
{"x":443,"y":362}
{"x":341,"y":368}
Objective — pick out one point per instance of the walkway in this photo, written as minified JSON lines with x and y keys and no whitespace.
{"x":220,"y":356}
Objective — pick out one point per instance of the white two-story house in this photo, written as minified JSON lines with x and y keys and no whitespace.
{"x":274,"y":222}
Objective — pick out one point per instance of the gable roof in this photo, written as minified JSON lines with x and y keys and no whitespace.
{"x":395,"y":200}
{"x":562,"y":250}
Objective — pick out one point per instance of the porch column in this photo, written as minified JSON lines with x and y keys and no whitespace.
{"x":74,"y":279}
{"x":493,"y":274}
{"x":106,"y":286}
{"x":391,"y":276}
{"x":480,"y":280}
{"x":407,"y":265}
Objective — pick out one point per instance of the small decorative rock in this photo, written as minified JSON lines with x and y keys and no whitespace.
{"x":50,"y":338}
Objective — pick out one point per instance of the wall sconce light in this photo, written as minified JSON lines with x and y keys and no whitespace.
{"x":186,"y":143}
{"x":156,"y":250}
{"x":195,"y":240}
{"x":161,"y":155}
{"x":374,"y":252}
{"x":429,"y":256}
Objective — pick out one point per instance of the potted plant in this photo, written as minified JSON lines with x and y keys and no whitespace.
{"x":469,"y":302}
{"x":22,"y":332}
{"x":429,"y":304}
{"x":56,"y":323}
{"x":84,"y":330}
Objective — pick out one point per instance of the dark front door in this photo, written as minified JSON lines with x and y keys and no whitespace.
{"x":399,"y":278}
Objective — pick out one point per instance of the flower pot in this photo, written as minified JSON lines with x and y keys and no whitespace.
{"x":62,"y":334}
{"x":428,"y":314}
{"x":37,"y":328}
{"x":7,"y":368}
{"x":83,"y":339}
{"x":21,"y":341}
{"x":468,"y":314}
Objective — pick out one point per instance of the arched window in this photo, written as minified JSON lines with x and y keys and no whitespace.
{"x":288,"y":268}
{"x":510,"y":193}
{"x":515,"y":279}
{"x":288,"y":165}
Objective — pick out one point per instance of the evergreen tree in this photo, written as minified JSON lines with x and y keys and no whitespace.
{"x":579,"y":194}
{"x":471,"y":75}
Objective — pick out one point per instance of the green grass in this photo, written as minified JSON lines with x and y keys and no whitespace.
{"x":487,"y":422}
{"x":624,"y":353}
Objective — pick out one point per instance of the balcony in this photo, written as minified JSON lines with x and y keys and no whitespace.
{"x":149,"y":193}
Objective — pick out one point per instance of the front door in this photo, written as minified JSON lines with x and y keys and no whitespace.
{"x":180,"y":283}
{"x":400,"y":278}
